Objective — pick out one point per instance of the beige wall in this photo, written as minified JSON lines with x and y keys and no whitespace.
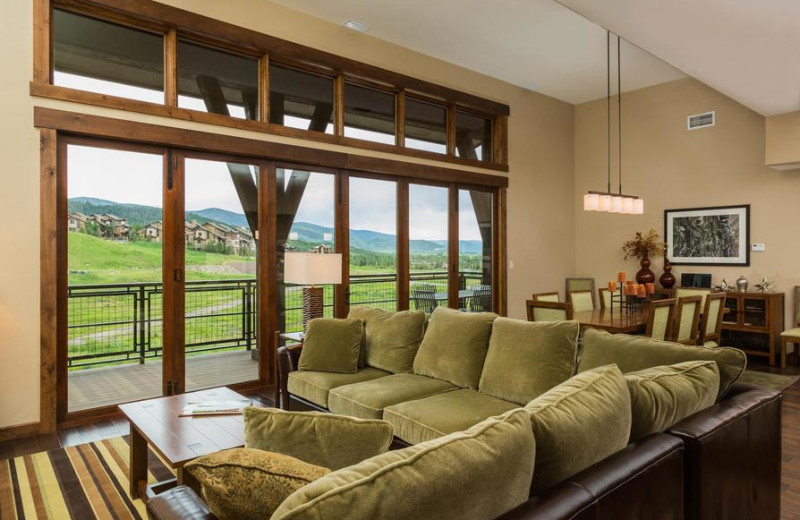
{"x":674,"y":168}
{"x":540,"y":147}
{"x":783,"y":141}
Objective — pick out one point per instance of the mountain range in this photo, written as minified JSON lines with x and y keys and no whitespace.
{"x":140,"y":215}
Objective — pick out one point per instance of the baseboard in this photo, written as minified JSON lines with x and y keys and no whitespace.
{"x":23,"y":430}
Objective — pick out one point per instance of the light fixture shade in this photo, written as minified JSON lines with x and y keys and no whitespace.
{"x":591,"y":202}
{"x":638,"y":206}
{"x":313,"y":268}
{"x":616,"y":204}
{"x":605,"y":203}
{"x":627,"y":205}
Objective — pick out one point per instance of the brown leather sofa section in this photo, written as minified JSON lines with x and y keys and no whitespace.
{"x":180,"y":503}
{"x":733,"y":456}
{"x":642,"y":481}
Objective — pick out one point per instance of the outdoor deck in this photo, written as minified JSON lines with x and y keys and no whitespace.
{"x":90,"y":388}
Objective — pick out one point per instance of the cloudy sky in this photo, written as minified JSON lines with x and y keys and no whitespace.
{"x":136,"y":178}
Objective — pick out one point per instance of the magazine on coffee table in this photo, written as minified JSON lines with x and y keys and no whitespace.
{"x":232,"y":407}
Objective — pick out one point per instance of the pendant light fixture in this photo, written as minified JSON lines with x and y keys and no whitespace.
{"x":607,"y":201}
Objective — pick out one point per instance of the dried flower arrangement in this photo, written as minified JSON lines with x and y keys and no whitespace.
{"x":644,"y":245}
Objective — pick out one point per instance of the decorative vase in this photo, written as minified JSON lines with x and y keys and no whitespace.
{"x":645,"y":275}
{"x":667,"y":279}
{"x":741,"y":284}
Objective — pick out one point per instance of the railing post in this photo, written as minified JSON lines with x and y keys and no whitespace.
{"x":246,"y":316}
{"x":139,"y":323}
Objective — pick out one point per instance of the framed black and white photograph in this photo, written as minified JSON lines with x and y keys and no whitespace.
{"x":708,"y":236}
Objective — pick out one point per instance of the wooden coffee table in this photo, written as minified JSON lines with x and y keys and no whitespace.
{"x":177,"y":440}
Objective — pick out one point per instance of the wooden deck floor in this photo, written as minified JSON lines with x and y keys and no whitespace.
{"x":91,"y":388}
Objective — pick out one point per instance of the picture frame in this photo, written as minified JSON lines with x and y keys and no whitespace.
{"x":717,"y":235}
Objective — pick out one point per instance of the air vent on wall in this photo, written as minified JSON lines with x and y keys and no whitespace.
{"x":698,"y":121}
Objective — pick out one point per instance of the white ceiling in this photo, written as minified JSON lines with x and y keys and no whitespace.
{"x":746,"y":49}
{"x":537,"y":44}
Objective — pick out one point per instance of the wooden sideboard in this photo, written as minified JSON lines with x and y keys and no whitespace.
{"x":753,"y":322}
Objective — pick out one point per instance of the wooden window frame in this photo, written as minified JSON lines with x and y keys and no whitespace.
{"x":175,"y":23}
{"x":59,"y":128}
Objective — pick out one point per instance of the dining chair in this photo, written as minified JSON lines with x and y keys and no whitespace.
{"x":548,"y":311}
{"x":547,"y":297}
{"x":687,"y":314}
{"x":424,"y":297}
{"x":711,"y":323}
{"x":605,"y":297}
{"x":580,"y":284}
{"x":581,"y":300}
{"x":481,"y":300}
{"x":682,"y":292}
{"x":792,"y":335}
{"x":660,"y":318}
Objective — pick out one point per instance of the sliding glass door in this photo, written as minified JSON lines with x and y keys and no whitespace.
{"x":475,"y":249}
{"x":428,"y":246}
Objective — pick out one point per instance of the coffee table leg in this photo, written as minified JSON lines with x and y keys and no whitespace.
{"x":138,"y":464}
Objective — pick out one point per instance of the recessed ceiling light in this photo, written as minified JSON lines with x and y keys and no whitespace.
{"x":356,"y":25}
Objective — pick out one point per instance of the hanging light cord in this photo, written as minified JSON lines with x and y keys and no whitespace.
{"x":608,"y":104}
{"x":619,"y":112}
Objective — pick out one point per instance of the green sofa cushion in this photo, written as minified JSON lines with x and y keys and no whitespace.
{"x":392,"y":338}
{"x":245,"y":484}
{"x":632,"y":353}
{"x":314,"y":386}
{"x":526,"y":359}
{"x":578,"y":423}
{"x":431,"y":417}
{"x":662,"y":396}
{"x":332,"y":345}
{"x":323,"y":439}
{"x":454,"y":347}
{"x":368,"y":399}
{"x":477,"y":474}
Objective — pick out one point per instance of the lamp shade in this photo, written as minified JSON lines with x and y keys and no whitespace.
{"x":591,"y":201}
{"x":616,"y":205}
{"x":638,"y":206}
{"x":313,"y":268}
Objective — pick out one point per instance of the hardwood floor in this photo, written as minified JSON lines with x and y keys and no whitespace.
{"x":790,"y":487}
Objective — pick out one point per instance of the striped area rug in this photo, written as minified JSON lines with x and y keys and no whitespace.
{"x":84,"y":482}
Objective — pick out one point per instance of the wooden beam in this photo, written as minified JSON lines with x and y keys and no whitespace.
{"x":400,"y":118}
{"x":341,"y":301}
{"x":174,"y":354}
{"x":216,"y":32}
{"x":48,"y":286}
{"x":321,"y":117}
{"x":263,"y":90}
{"x":171,"y":68}
{"x":267,"y":277}
{"x":338,"y":105}
{"x":62,"y":249}
{"x":42,"y":42}
{"x":403,"y":255}
{"x":500,"y":140}
{"x":130,"y":131}
{"x":452,"y":247}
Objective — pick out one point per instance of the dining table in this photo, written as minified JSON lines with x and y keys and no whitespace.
{"x":618,"y":322}
{"x":462,"y":294}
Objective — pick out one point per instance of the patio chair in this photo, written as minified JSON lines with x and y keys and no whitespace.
{"x":481,"y":300}
{"x":424,"y":297}
{"x":687,"y":314}
{"x":660,"y":319}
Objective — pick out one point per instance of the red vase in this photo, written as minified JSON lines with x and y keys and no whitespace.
{"x":667,"y":279}
{"x":645,"y":275}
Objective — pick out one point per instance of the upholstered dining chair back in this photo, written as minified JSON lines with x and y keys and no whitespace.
{"x":660,"y":318}
{"x":711,"y":324}
{"x":581,"y":300}
{"x":605,"y":298}
{"x":687,"y":314}
{"x":579,"y":284}
{"x":547,"y":297}
{"x":548,"y":311}
{"x":682,"y":292}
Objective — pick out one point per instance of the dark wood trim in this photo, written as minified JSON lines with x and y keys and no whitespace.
{"x":130,"y":131}
{"x":22,"y":430}
{"x":48,"y":286}
{"x":403,"y":253}
{"x":500,"y":140}
{"x":452,"y":246}
{"x":171,"y":68}
{"x":42,"y":42}
{"x":400,"y":119}
{"x":267,"y":273}
{"x":451,"y":130}
{"x":194,"y":25}
{"x":174,"y":354}
{"x":341,"y":299}
{"x":263,"y":89}
{"x":338,"y":105}
{"x":61,"y":262}
{"x":143,"y":107}
{"x":500,"y":251}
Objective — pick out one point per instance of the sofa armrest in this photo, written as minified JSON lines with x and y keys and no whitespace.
{"x":288,"y":360}
{"x":618,"y":487}
{"x":180,"y":503}
{"x":733,"y":456}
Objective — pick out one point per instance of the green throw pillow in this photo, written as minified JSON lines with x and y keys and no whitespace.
{"x":526,"y":359}
{"x":323,"y":439}
{"x":579,"y":423}
{"x":454,"y":347}
{"x":245,"y":484}
{"x":632,"y":353}
{"x":476,"y":474}
{"x":662,"y":396}
{"x":332,"y":345}
{"x":391,"y":338}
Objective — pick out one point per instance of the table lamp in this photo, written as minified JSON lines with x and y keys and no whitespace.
{"x":311,"y":269}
